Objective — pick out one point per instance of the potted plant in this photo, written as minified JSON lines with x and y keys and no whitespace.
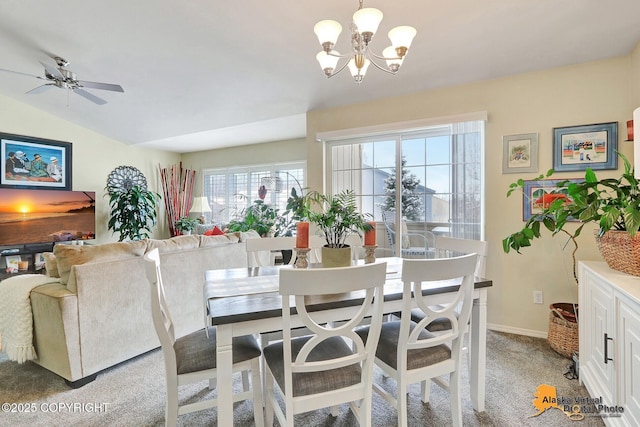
{"x":613,"y":204}
{"x":186,"y":225}
{"x":259,"y":216}
{"x":133,"y":212}
{"x":337,"y":216}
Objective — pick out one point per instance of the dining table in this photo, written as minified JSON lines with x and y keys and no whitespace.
{"x":242,"y":301}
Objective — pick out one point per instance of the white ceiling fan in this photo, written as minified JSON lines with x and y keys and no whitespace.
{"x":66,"y":79}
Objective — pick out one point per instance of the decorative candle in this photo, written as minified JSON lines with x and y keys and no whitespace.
{"x":370,"y":236}
{"x":302,"y":235}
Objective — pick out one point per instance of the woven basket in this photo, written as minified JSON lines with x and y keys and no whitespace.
{"x":563,"y":330}
{"x":620,"y":251}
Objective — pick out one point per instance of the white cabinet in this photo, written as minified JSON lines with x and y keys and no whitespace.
{"x":609,"y":320}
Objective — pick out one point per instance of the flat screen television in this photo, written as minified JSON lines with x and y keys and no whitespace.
{"x":46,"y":216}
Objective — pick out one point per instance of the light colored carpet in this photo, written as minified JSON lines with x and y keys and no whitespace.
{"x":133,"y":393}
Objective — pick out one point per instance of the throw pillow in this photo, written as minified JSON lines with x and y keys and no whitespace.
{"x":50,"y":264}
{"x":70,"y":255}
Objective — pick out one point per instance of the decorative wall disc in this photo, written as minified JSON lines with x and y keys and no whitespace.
{"x":124,"y":178}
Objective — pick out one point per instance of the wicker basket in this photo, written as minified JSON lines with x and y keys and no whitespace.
{"x":620,"y":251}
{"x":563,"y":329}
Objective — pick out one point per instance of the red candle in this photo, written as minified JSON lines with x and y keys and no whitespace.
{"x":370,"y":236}
{"x":302,"y":235}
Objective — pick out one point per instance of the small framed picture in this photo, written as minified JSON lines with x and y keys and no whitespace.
{"x":13,"y":263}
{"x":38,"y":261}
{"x":576,"y":148}
{"x":520,"y":153}
{"x":539,"y":194}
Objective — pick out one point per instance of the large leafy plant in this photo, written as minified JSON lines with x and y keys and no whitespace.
{"x":133,"y":212}
{"x":337,"y":217}
{"x":259,"y":216}
{"x":609,"y":203}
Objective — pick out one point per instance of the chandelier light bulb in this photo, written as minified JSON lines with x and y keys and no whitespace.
{"x":367,"y":21}
{"x":327,"y":32}
{"x":358,"y":69}
{"x":328,"y":62}
{"x":401,"y":38}
{"x":391,"y":57}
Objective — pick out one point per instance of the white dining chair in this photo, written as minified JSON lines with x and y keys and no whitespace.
{"x":332,"y":365}
{"x":192,"y":358}
{"x":261,"y":251}
{"x":408,"y":352}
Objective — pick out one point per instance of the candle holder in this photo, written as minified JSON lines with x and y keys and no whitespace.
{"x":370,"y":253}
{"x":301,"y":257}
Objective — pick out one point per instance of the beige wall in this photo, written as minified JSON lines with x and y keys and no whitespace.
{"x":535,"y":102}
{"x":94,"y":157}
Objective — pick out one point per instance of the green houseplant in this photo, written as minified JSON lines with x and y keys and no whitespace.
{"x":186,"y":225}
{"x":259,"y":216}
{"x":337,"y":216}
{"x":133,"y":212}
{"x":613,"y":204}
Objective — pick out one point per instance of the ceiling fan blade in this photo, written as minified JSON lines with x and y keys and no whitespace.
{"x":103,"y":86}
{"x":23,"y":74}
{"x":91,"y":97}
{"x":40,"y":89}
{"x":53,"y":71}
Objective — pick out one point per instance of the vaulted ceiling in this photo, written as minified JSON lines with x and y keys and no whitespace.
{"x":202,"y":74}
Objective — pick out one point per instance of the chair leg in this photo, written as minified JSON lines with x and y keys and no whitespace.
{"x":171,"y":408}
{"x":402,"y":404}
{"x":454,"y":396}
{"x":425,"y":390}
{"x":256,"y":384}
{"x":268,"y":396}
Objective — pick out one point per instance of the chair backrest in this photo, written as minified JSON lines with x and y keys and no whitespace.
{"x":162,"y":321}
{"x":259,"y":251}
{"x":301,"y":283}
{"x":423,"y":241}
{"x":418,"y":274}
{"x":450,"y":246}
{"x":317,"y":242}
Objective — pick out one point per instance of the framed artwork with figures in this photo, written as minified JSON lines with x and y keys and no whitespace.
{"x":29,"y":162}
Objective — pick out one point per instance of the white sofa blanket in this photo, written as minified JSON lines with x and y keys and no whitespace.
{"x":16,"y":320}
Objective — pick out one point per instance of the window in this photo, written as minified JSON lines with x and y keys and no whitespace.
{"x":231,"y":190}
{"x":440,"y":183}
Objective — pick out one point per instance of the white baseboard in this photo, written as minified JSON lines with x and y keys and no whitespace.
{"x":517,"y":331}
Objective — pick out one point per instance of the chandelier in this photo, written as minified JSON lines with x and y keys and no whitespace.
{"x":363,"y":27}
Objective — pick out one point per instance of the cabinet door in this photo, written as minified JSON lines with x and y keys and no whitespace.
{"x":629,"y":360}
{"x":597,"y":328}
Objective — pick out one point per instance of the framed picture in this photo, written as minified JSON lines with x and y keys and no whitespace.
{"x":520,"y":153}
{"x":577,"y":148}
{"x":538,"y":194}
{"x":12,"y":263}
{"x":39,"y":261}
{"x":29,"y":162}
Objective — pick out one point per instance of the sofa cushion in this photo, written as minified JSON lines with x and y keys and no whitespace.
{"x":225,"y":239}
{"x":50,"y":264}
{"x":70,"y":255}
{"x":174,"y":244}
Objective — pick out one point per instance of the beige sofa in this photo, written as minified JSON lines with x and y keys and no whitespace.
{"x":98,"y":315}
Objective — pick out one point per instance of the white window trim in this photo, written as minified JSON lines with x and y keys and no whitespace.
{"x":407,"y":126}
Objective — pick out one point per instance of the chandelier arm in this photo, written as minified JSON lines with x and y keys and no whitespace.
{"x":339,"y":69}
{"x":375,"y":64}
{"x":384,"y":58}
{"x":346,"y":55}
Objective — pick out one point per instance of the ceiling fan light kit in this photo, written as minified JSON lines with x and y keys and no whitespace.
{"x":363,"y":27}
{"x":64,"y":78}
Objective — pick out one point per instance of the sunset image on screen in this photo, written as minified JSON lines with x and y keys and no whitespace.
{"x":36,"y":216}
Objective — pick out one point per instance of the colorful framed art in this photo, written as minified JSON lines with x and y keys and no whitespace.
{"x":576,"y":148}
